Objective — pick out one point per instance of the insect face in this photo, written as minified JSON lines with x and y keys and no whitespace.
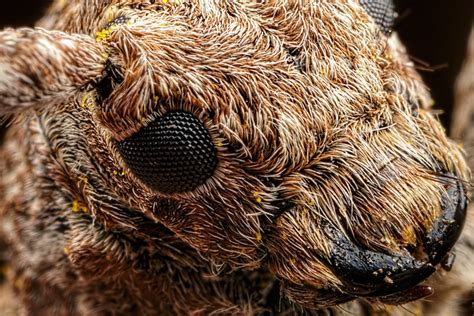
{"x":291,"y":138}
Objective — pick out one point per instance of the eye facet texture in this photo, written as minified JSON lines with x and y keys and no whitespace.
{"x":382,"y":11}
{"x":172,"y":154}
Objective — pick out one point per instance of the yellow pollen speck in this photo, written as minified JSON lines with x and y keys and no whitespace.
{"x":323,"y":72}
{"x":259,"y":237}
{"x":102,"y":35}
{"x":87,"y":101}
{"x":219,"y":144}
{"x":257,"y":197}
{"x":78,"y":207}
{"x":122,"y":173}
{"x":114,"y":172}
{"x":312,"y":203}
{"x":292,"y":261}
{"x":66,"y":250}
{"x":84,"y":101}
{"x":165,"y":1}
{"x":75,"y":206}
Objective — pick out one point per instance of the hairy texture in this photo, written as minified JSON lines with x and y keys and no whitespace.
{"x":49,"y":67}
{"x":333,"y":181}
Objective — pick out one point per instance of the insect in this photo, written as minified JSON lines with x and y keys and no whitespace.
{"x":232,"y":157}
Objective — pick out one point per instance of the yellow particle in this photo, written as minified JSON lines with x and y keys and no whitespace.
{"x":259,"y":237}
{"x":75,"y":206}
{"x":88,"y":102}
{"x":219,"y":144}
{"x":323,"y":72}
{"x":257,"y":197}
{"x":67,"y":251}
{"x":84,"y":101}
{"x":122,"y":173}
{"x":292,"y":261}
{"x":165,"y":1}
{"x":114,"y":172}
{"x":101,"y":36}
{"x":312,"y":203}
{"x":84,"y":209}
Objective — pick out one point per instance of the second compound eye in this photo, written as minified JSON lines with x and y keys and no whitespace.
{"x":382,"y":11}
{"x":172,"y":154}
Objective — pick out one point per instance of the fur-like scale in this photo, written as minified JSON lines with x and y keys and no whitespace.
{"x":325,"y":144}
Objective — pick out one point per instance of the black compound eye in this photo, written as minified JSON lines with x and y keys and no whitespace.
{"x":172,"y":154}
{"x":382,"y":11}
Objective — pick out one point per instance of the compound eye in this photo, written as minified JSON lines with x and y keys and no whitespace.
{"x":172,"y":154}
{"x":382,"y":11}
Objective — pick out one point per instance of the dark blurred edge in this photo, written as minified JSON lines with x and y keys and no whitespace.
{"x":435,"y":32}
{"x":22,"y":12}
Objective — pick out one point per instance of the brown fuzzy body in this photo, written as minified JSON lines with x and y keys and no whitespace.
{"x":306,"y":102}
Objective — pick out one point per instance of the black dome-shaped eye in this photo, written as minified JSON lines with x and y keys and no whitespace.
{"x":172,"y":154}
{"x":382,"y":11}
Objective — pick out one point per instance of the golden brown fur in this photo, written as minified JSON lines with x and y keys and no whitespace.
{"x":307,"y":102}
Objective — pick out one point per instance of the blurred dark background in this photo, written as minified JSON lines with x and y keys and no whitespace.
{"x":435,"y":32}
